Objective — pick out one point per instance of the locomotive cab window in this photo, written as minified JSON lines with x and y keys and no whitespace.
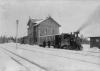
{"x":97,"y":40}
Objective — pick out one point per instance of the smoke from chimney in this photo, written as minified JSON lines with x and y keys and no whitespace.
{"x":94,"y":18}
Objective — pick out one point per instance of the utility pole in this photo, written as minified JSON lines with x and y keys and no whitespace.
{"x":39,"y":36}
{"x":17,"y":22}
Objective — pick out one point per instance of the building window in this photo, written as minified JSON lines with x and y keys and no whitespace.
{"x":97,"y":40}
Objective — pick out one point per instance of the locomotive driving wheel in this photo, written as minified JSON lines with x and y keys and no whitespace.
{"x":65,"y":47}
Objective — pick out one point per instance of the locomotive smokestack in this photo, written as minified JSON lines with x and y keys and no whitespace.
{"x":76,"y":33}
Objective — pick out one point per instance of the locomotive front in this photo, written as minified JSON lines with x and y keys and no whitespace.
{"x":71,"y":41}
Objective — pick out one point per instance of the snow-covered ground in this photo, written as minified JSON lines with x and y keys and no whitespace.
{"x":35,"y":58}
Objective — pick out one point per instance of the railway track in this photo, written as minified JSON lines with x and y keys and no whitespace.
{"x":17,"y":61}
{"x":60,"y":56}
{"x":86,"y":53}
{"x":22,"y":58}
{"x":48,"y":54}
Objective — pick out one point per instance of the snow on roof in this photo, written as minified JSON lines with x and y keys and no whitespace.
{"x":38,"y":21}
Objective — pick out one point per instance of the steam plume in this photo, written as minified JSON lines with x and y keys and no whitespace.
{"x":93,"y":19}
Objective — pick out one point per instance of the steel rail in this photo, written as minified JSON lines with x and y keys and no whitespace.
{"x":79,"y":53}
{"x":64,"y":57}
{"x":32,"y":62}
{"x":15,"y":60}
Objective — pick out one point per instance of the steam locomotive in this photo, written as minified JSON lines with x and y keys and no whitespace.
{"x":63,"y":41}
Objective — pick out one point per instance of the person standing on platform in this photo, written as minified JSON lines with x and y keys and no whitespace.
{"x":44,"y":43}
{"x":49,"y":44}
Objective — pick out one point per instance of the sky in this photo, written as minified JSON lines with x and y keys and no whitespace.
{"x":70,"y":14}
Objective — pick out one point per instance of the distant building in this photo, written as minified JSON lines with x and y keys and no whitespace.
{"x":23,"y":40}
{"x":95,"y":42}
{"x":39,"y":27}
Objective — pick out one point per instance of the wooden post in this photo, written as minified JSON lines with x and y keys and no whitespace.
{"x":17,"y":21}
{"x":38,"y":35}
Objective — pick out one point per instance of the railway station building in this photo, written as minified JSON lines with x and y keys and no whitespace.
{"x":39,"y":28}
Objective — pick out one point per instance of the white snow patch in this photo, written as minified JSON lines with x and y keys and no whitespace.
{"x":86,"y":47}
{"x":50,"y":58}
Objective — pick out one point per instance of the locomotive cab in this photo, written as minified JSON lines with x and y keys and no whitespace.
{"x":65,"y":43}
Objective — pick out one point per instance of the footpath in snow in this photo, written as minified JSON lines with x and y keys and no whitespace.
{"x":49,"y":58}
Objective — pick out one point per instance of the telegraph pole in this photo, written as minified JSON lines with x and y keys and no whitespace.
{"x":17,"y":22}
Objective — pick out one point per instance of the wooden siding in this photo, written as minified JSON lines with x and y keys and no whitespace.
{"x":95,"y":42}
{"x":46,"y":27}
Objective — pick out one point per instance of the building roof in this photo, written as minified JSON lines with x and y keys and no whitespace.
{"x":34,"y":21}
{"x":38,"y":21}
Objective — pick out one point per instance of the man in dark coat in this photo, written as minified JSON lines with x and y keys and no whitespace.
{"x":44,"y":43}
{"x":49,"y":44}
